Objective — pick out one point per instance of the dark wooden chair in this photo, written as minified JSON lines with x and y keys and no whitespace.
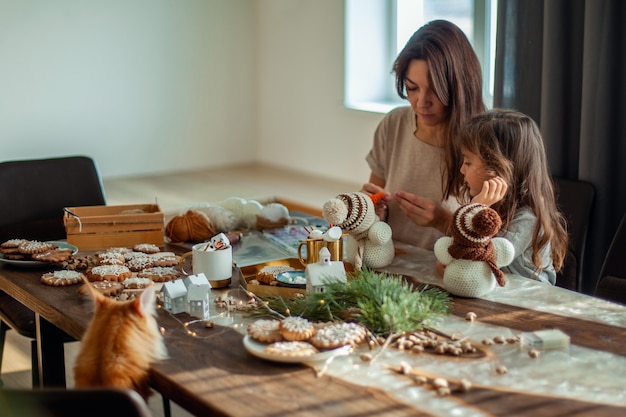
{"x":72,"y":403}
{"x":32,"y":198}
{"x":612,"y":279}
{"x":575,"y":200}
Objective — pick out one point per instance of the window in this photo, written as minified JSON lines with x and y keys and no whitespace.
{"x":376,"y":30}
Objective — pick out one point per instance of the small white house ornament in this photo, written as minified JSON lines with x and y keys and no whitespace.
{"x":198,"y":295}
{"x":323,"y":272}
{"x":175,"y":296}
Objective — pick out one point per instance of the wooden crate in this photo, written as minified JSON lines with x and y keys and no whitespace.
{"x":102,"y":227}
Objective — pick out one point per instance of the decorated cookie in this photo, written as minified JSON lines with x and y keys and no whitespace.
{"x":160,"y":273}
{"x":146,"y":248}
{"x":265,"y":330}
{"x":30,"y":247}
{"x":136,"y":283}
{"x":115,"y":273}
{"x":165,"y":259}
{"x":296,"y":328}
{"x":111,"y":258}
{"x":107,"y":288}
{"x":291,"y":348}
{"x":53,"y":255}
{"x":12,"y":243}
{"x":338,"y":334}
{"x":139,"y":263}
{"x":62,"y":278}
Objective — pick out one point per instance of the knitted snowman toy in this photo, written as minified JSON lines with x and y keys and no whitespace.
{"x":472,"y":255}
{"x":369,"y":239}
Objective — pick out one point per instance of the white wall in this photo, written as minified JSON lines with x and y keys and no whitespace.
{"x":148,"y":86}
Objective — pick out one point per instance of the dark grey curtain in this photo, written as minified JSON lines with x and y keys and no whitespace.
{"x":563,"y":62}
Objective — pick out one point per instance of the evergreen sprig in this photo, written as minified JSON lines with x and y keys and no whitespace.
{"x":383,"y":303}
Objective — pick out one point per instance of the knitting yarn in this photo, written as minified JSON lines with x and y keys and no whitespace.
{"x":193,"y":226}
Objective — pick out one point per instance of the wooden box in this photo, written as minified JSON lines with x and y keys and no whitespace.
{"x":102,"y":227}
{"x":248,"y":273}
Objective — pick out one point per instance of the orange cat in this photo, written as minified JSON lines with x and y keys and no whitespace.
{"x":121,"y":342}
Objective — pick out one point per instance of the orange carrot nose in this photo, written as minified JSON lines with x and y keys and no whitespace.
{"x":377,"y":197}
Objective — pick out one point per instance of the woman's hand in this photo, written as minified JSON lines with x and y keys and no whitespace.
{"x":424,"y":211}
{"x":493,"y":191}
{"x":381,"y":206}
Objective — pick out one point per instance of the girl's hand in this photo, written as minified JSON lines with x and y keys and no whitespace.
{"x":493,"y":191}
{"x":423,"y":211}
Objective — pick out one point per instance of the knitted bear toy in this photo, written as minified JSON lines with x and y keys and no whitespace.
{"x":369,"y":239}
{"x":472,"y":255}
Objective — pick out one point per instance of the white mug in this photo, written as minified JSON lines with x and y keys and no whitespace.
{"x":217,"y":265}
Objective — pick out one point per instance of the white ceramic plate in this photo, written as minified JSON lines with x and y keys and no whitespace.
{"x":35,"y":264}
{"x":258,"y":349}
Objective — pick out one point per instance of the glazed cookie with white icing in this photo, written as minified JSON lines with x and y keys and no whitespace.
{"x":265,"y":330}
{"x":296,"y":328}
{"x":62,"y":278}
{"x":291,"y":348}
{"x":338,"y":334}
{"x":115,"y":273}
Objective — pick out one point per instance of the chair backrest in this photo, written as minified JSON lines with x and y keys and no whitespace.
{"x":53,"y":402}
{"x":575,"y":200}
{"x":34,"y":193}
{"x":612,"y":278}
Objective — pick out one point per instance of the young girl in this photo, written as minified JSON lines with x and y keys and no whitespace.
{"x":505,"y":167}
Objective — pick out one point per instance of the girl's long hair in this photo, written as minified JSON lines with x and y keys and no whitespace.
{"x":510,"y":145}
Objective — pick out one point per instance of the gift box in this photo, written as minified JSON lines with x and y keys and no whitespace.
{"x":102,"y":227}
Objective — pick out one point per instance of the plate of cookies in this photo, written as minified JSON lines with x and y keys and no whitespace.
{"x":291,"y":351}
{"x":296,"y":339}
{"x":33,"y":253}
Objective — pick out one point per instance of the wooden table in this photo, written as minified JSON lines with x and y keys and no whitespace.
{"x":213,"y":374}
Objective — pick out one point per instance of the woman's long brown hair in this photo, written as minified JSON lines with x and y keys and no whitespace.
{"x":456,"y":79}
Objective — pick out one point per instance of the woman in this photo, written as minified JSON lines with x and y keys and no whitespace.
{"x":415,"y":157}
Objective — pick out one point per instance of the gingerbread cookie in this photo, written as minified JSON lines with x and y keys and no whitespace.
{"x":30,"y":247}
{"x":62,"y":278}
{"x":268,"y":273}
{"x":139,"y":263}
{"x":292,"y":348}
{"x":53,"y":255}
{"x":338,"y":334}
{"x":13,"y":253}
{"x":111,"y":258}
{"x":165,"y":259}
{"x":296,"y":328}
{"x":265,"y":330}
{"x":146,"y":248}
{"x":108,"y":288}
{"x":115,"y":273}
{"x":136,"y":283}
{"x":120,"y":250}
{"x":12,"y":243}
{"x":160,"y":273}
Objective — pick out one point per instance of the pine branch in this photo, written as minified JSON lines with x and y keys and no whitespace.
{"x":383,"y":303}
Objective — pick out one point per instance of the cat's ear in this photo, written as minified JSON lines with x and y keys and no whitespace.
{"x":144,"y":304}
{"x":88,"y":290}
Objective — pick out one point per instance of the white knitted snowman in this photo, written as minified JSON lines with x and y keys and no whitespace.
{"x":472,"y":255}
{"x":369,"y":239}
